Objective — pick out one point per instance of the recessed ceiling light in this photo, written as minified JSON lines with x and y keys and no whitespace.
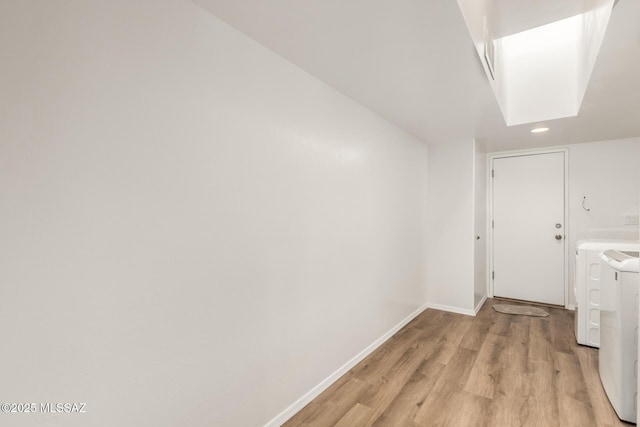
{"x":539,"y":130}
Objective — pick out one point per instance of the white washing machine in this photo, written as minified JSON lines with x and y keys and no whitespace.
{"x":586,"y":286}
{"x":618,"y":356}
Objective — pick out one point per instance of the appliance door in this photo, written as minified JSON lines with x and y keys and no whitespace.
{"x":610,"y":340}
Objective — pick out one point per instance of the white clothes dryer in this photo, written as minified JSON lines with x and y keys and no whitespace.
{"x":618,"y":357}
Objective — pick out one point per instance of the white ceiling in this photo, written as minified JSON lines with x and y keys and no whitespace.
{"x":413,"y":63}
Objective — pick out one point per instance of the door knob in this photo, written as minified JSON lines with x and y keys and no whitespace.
{"x":558,"y":236}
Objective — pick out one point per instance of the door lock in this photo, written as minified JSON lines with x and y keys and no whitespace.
{"x":558,"y":236}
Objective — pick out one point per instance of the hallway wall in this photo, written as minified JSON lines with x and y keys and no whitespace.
{"x":607,"y":173}
{"x":450,"y":261}
{"x":193,"y":231}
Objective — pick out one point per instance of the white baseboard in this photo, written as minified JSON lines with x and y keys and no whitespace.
{"x":314,"y":392}
{"x":451,"y":309}
{"x":480,"y":304}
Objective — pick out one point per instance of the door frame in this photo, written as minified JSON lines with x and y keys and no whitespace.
{"x":515,"y":153}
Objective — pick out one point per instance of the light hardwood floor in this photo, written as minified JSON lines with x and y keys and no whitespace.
{"x":446,"y":369}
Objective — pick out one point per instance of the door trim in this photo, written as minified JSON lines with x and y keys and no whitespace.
{"x":517,"y":153}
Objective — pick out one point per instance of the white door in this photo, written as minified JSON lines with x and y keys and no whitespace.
{"x":528,"y":227}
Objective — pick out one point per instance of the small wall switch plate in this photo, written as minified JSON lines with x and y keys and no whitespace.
{"x":631,"y":220}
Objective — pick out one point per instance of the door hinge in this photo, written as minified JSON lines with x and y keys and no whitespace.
{"x":493,"y":225}
{"x":492,"y":173}
{"x":493,"y":274}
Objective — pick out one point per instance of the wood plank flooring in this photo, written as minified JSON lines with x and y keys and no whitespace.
{"x":446,"y":369}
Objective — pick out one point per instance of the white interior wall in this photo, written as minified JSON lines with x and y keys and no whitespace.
{"x":193,"y":231}
{"x":450,"y":247}
{"x":482,"y":20}
{"x":539,"y":74}
{"x":480,"y":224}
{"x":607,"y":173}
{"x":593,"y":28}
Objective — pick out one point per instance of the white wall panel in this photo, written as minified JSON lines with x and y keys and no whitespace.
{"x":193,"y":231}
{"x":607,"y":173}
{"x":450,"y":263}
